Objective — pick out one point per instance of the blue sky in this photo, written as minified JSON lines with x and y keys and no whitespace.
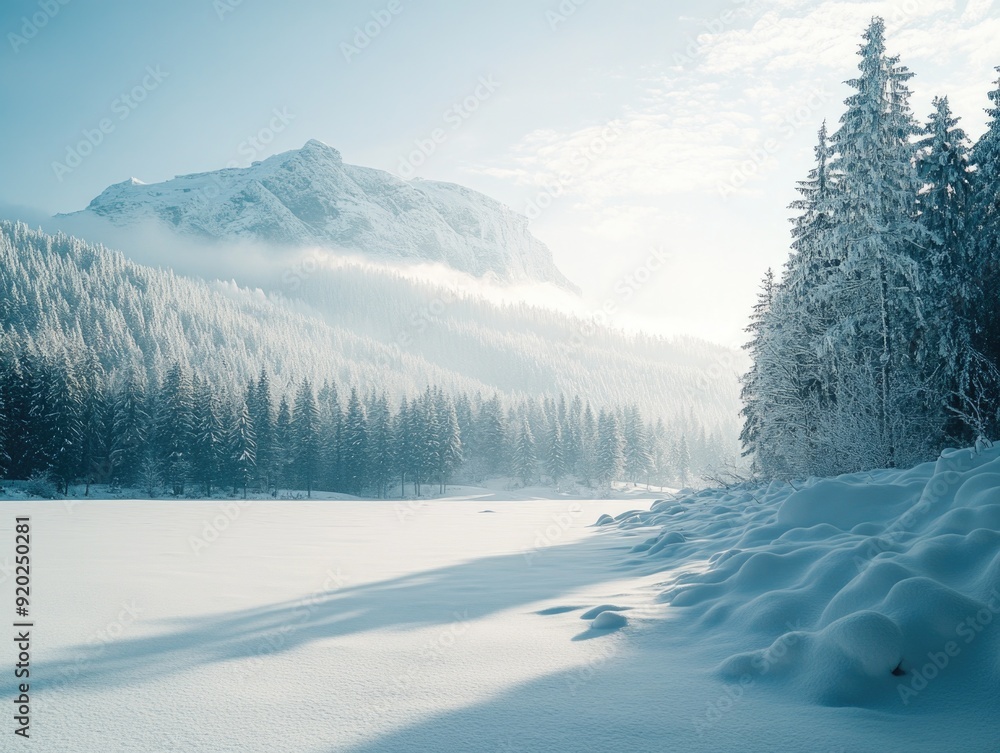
{"x":621,"y":127}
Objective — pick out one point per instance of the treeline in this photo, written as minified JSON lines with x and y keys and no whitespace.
{"x":880,"y":344}
{"x":64,"y":417}
{"x":359,"y":326}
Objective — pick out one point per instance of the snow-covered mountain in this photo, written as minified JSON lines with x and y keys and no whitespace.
{"x":309,"y":197}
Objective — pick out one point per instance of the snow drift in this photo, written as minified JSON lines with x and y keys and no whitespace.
{"x":864,"y":590}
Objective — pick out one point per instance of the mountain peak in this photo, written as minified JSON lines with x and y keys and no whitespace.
{"x":315,"y":146}
{"x":309,"y":197}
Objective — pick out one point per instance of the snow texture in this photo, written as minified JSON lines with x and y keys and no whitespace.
{"x":852,"y":614}
{"x":857,"y":591}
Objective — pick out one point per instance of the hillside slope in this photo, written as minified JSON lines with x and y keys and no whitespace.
{"x":65,"y":291}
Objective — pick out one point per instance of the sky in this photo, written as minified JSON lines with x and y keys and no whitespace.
{"x":654,"y":145}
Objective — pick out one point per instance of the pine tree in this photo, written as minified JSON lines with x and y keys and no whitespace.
{"x":954,"y":368}
{"x":259,"y":403}
{"x":209,"y":440}
{"x":756,"y":392}
{"x":493,"y":436}
{"x":986,"y":227}
{"x":382,"y":441}
{"x":571,"y":434}
{"x":877,"y":285}
{"x":682,"y":461}
{"x":58,"y":409}
{"x":403,"y":446}
{"x":174,"y":429}
{"x":243,"y":449}
{"x":305,"y":437}
{"x":450,"y":452}
{"x":588,"y":445}
{"x":638,"y":458}
{"x":284,"y":440}
{"x":24,"y":445}
{"x":331,"y":422}
{"x":129,"y":429}
{"x":555,"y":451}
{"x":524,"y":457}
{"x":94,"y":459}
{"x":791,"y":334}
{"x":610,"y":454}
{"x":356,"y":446}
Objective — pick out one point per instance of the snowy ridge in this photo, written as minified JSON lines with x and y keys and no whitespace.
{"x":309,"y":197}
{"x":864,"y":590}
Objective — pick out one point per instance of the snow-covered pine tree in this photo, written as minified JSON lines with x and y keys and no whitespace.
{"x":243,"y":449}
{"x":571,"y":434}
{"x":284,"y":440}
{"x":610,"y":451}
{"x":330,"y":435}
{"x":986,"y":225}
{"x":638,"y":455}
{"x":450,"y":452}
{"x":403,"y":448}
{"x":382,"y":460}
{"x":428,"y":437}
{"x":757,"y":392}
{"x":173,"y":428}
{"x":524,"y":456}
{"x":305,"y":437}
{"x":57,"y":409}
{"x":416,"y":439}
{"x":660,"y":453}
{"x":875,"y":292}
{"x":24,"y":448}
{"x":260,"y":405}
{"x":682,"y":461}
{"x":586,"y":467}
{"x":467,"y":429}
{"x":209,"y":450}
{"x":954,"y":369}
{"x":94,"y":453}
{"x":799,"y":315}
{"x":356,"y":446}
{"x":555,"y":450}
{"x":492,"y":433}
{"x":129,"y":428}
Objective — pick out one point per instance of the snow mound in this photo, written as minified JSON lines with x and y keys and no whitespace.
{"x":609,"y":621}
{"x":596,"y":611}
{"x":851,"y":591}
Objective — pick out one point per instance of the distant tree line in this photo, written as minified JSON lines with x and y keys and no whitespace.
{"x":353,"y":324}
{"x":880,"y":344}
{"x":63,"y":416}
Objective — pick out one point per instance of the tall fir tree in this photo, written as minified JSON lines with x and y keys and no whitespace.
{"x":243,"y":449}
{"x":986,"y":227}
{"x":174,"y":425}
{"x":877,"y":287}
{"x":355,"y":445}
{"x":955,"y":370}
{"x":610,"y":455}
{"x":524,"y":455}
{"x":305,"y":437}
{"x":129,"y":428}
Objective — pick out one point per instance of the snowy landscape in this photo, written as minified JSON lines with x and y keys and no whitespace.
{"x":491,"y":438}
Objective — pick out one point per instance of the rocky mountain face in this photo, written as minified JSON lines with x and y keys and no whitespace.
{"x":309,"y":197}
